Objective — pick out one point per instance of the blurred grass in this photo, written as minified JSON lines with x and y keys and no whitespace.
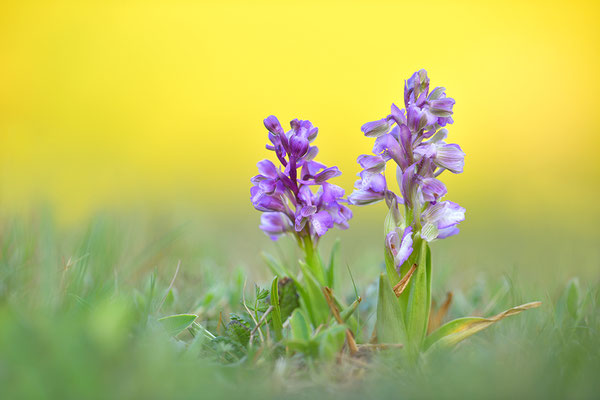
{"x":79,"y":304}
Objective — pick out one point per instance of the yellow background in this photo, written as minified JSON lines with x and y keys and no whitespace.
{"x":160,"y":103}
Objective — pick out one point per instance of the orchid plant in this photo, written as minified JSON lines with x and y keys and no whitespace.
{"x":297,"y":199}
{"x":414,"y":138}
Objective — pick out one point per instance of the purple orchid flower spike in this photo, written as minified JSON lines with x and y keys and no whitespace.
{"x":296,"y":197}
{"x":414,"y":139}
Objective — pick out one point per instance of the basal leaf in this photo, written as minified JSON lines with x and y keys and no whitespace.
{"x":419,"y":300}
{"x":455,"y":331}
{"x":390,"y":322}
{"x":331,"y":341}
{"x":299,"y":326}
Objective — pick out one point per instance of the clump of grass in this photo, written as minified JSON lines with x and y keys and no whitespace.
{"x":81,"y":310}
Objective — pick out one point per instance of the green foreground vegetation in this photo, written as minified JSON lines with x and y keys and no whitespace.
{"x":80,"y":312}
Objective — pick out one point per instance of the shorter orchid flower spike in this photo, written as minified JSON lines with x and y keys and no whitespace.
{"x":296,"y":197}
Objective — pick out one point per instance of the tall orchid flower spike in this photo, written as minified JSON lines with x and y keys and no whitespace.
{"x":413,"y":138}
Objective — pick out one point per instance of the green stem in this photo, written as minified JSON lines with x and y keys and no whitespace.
{"x":313,"y":260}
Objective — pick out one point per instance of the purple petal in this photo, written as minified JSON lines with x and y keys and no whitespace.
{"x":386,"y":145}
{"x":300,"y":222}
{"x":405,"y":249}
{"x":398,"y":115}
{"x":306,"y":195}
{"x":298,"y":146}
{"x":376,"y":128}
{"x":444,"y":214}
{"x":442,"y":107}
{"x":272,"y":124}
{"x":451,"y":157}
{"x":308,"y":210}
{"x":432,"y":189}
{"x":425,"y":150}
{"x":364,"y":197}
{"x":264,"y":202}
{"x":312,"y":153}
{"x":330,"y":194}
{"x":267,"y":168}
{"x":447,"y":232}
{"x":371,"y":181}
{"x":405,"y":139}
{"x":321,"y":222}
{"x":408,"y":184}
{"x":312,"y":133}
{"x":371,"y":163}
{"x":311,"y":168}
{"x":436,"y":93}
{"x":268,"y":185}
{"x":274,"y":224}
{"x":326,"y":174}
{"x":392,"y":242}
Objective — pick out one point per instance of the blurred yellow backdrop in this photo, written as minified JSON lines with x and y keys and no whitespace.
{"x":160,"y":103}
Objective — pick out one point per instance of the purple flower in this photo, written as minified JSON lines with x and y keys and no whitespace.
{"x":399,"y":244}
{"x":272,"y":124}
{"x":447,"y":156}
{"x":275,"y":224}
{"x":297,"y":197}
{"x":440,"y":219}
{"x":370,"y":188}
{"x":376,"y":128}
{"x":373,"y":164}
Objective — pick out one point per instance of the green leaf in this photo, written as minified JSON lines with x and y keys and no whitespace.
{"x":330,"y":278}
{"x":276,"y":313}
{"x":390,"y":322}
{"x":175,"y":324}
{"x":331,"y":341}
{"x":419,"y":300}
{"x":301,"y":346}
{"x":455,"y":331}
{"x":390,"y":267}
{"x":300,"y":329}
{"x":238,"y":330}
{"x":288,"y":297}
{"x":413,"y":259}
